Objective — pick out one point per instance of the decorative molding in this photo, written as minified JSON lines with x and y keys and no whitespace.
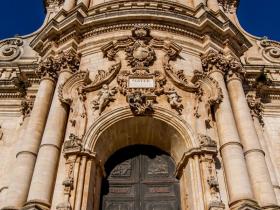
{"x":10,"y":49}
{"x":69,"y":60}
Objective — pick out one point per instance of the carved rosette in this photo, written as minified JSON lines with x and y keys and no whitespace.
{"x":10,"y":49}
{"x":256,"y":107}
{"x":270,"y":50}
{"x":214,"y":61}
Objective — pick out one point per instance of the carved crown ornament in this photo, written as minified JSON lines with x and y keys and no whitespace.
{"x":140,"y":83}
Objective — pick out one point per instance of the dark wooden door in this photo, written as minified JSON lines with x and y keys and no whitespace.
{"x":140,"y":178}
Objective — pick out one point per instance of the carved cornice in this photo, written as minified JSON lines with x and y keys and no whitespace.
{"x":86,"y":23}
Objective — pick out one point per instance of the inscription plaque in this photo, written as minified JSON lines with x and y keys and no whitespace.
{"x":141,"y":82}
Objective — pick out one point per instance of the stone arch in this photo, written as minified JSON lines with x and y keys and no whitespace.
{"x":119,"y":128}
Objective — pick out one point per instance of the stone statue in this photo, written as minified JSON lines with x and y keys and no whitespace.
{"x":105,"y":96}
{"x":174,"y":99}
{"x":79,"y":115}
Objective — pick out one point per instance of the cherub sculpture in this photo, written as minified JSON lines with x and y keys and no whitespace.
{"x":174,"y":100}
{"x":105,"y":96}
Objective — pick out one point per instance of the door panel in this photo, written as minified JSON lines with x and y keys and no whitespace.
{"x":142,"y":181}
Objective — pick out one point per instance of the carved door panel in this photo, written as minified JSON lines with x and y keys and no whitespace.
{"x":143,"y":182}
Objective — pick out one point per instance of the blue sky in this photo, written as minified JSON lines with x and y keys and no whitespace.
{"x":21,"y":17}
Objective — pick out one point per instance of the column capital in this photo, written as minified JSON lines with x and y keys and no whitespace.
{"x":68,"y":61}
{"x":235,"y":70}
{"x":214,"y":61}
{"x":256,"y":107}
{"x":48,"y":69}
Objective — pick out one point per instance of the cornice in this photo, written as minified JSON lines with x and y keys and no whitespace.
{"x":177,"y":18}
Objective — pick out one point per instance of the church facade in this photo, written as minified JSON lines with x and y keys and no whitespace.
{"x":140,"y":105}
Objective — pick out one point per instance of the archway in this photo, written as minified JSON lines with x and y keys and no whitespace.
{"x":140,"y":177}
{"x":119,"y":129}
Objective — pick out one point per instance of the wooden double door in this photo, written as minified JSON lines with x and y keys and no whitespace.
{"x":140,"y":178}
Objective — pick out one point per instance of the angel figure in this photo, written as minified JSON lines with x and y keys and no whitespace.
{"x":174,"y":99}
{"x":105,"y":96}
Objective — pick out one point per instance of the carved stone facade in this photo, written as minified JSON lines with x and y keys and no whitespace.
{"x":179,"y":77}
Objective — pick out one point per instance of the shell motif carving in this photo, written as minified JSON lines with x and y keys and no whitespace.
{"x":271,"y":50}
{"x":10,"y":49}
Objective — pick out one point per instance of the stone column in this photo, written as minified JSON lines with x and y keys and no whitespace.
{"x":237,"y":177}
{"x":80,"y":184}
{"x":43,"y":179}
{"x":213,"y":5}
{"x":26,"y":157}
{"x":85,"y":2}
{"x":256,"y":112}
{"x":254,"y":155}
{"x":69,"y":4}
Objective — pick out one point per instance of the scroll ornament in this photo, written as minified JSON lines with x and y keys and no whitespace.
{"x":10,"y":49}
{"x":270,"y":50}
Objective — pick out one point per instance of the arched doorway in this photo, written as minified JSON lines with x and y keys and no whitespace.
{"x":140,"y":177}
